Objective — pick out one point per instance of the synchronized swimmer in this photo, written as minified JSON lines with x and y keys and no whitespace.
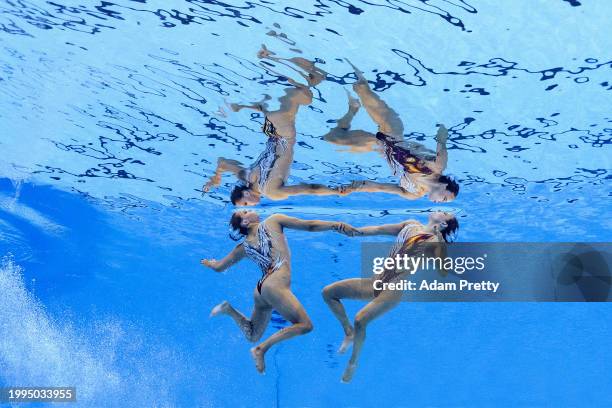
{"x":267,"y":176}
{"x":411,"y":238}
{"x":419,"y":169}
{"x":264,"y":242}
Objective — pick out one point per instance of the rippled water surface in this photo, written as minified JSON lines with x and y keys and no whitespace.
{"x":113,"y":115}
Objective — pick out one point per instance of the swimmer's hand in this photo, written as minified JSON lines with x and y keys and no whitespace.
{"x":211,"y":263}
{"x":346,"y":229}
{"x":214,"y":181}
{"x":442,"y":135}
{"x":223,"y":165}
{"x":354,"y":186}
{"x":343,"y":190}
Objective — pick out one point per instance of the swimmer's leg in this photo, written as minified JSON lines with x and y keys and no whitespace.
{"x":342,"y":135}
{"x":387,"y":119}
{"x":346,"y":289}
{"x":285,"y":303}
{"x":314,"y":76}
{"x":252,"y":328}
{"x":353,"y":107}
{"x":379,"y":306}
{"x":356,"y":140}
{"x":260,"y":106}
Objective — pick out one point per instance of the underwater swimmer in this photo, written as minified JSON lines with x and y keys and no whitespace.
{"x":411,"y":239}
{"x":419,"y":169}
{"x":264,"y":242}
{"x":267,"y":176}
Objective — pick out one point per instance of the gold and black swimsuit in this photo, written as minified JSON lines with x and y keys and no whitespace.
{"x":406,"y":241}
{"x":402,"y":162}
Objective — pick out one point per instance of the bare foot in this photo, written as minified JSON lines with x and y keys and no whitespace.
{"x":353,"y":102}
{"x":221,"y":308}
{"x":258,"y":357}
{"x":346,"y":343}
{"x":360,"y":77}
{"x":264,"y":52}
{"x":348,"y":373}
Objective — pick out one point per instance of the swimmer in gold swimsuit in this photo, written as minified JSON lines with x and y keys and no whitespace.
{"x":419,"y":169}
{"x":411,"y":239}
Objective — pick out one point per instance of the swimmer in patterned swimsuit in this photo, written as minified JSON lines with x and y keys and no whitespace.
{"x":267,"y":177}
{"x":411,"y":237}
{"x":419,"y":169}
{"x":264,"y":242}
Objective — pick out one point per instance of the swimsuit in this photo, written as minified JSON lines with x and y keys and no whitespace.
{"x":407,"y":240}
{"x":268,"y":157}
{"x":268,"y":128}
{"x":403,"y":162}
{"x":262,"y":254}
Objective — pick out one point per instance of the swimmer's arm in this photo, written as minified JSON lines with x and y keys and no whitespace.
{"x":233,"y":257}
{"x":386,"y":229}
{"x":313,"y":225}
{"x":284,"y":192}
{"x":441,"y":152}
{"x":375,"y":187}
{"x":224,"y":166}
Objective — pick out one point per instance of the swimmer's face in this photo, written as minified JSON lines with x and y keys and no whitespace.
{"x":248,"y":217}
{"x":248,"y":199}
{"x":440,"y":218}
{"x":441,"y":195}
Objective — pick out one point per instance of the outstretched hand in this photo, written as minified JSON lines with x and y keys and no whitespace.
{"x":347,"y":229}
{"x":442,"y":135}
{"x":214,"y":181}
{"x":211,"y":263}
{"x":352,"y":187}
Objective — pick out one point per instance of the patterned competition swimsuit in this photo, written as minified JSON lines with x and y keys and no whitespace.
{"x":275,"y":146}
{"x":402,"y":162}
{"x":407,"y":239}
{"x":262,"y":254}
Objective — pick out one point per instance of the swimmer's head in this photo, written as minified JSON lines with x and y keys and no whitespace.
{"x":446,"y":223}
{"x":240,"y":222}
{"x":446,"y":189}
{"x":243,"y":195}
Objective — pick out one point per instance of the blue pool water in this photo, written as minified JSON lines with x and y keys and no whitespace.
{"x":113,"y":115}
